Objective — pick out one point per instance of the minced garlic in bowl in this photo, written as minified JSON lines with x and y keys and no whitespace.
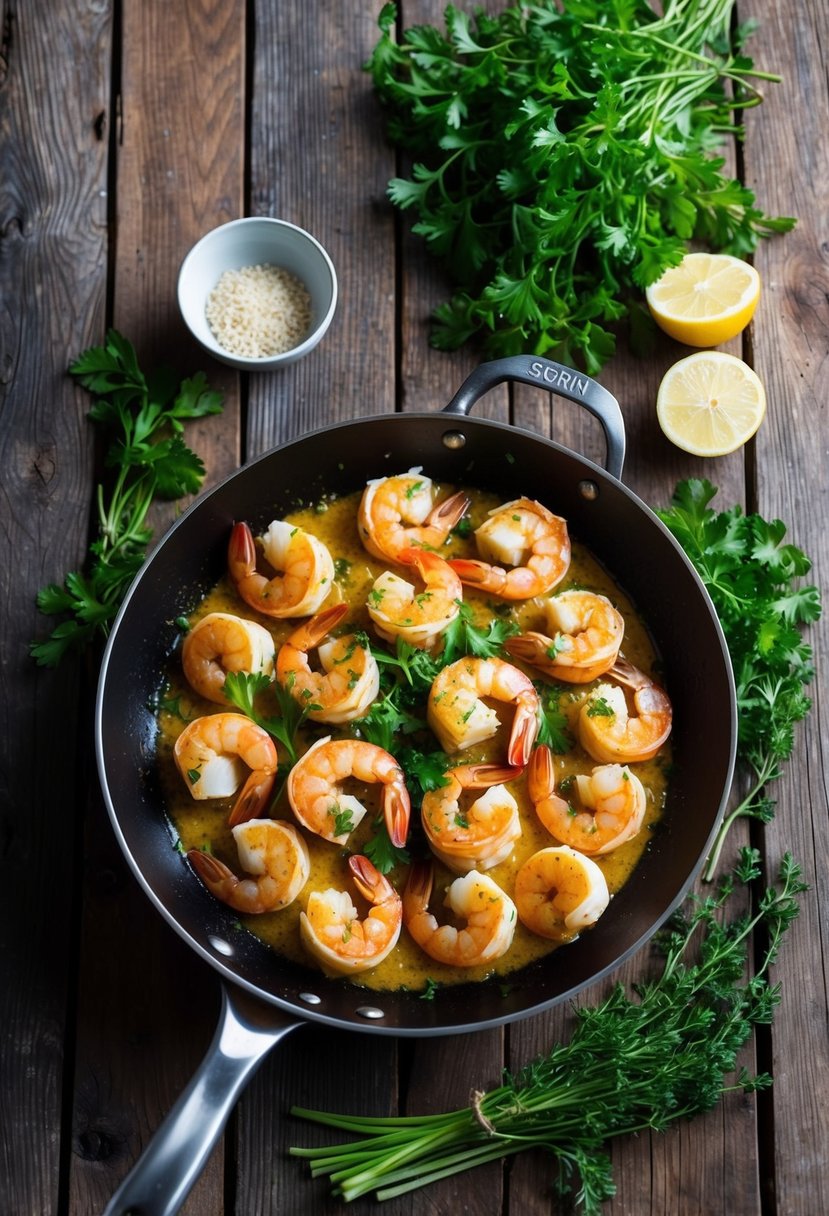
{"x":257,"y":311}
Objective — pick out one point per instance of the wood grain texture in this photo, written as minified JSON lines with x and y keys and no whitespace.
{"x":179,"y":172}
{"x":318,"y":160}
{"x":54,"y":62}
{"x":791,"y":351}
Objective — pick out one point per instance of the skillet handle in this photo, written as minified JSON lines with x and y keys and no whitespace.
{"x":161,"y":1179}
{"x":556,"y":378}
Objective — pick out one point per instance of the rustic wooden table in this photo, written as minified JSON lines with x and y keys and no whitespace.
{"x":127,"y":131}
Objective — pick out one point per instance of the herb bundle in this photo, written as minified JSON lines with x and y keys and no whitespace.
{"x":563,"y":155}
{"x":754,"y":580}
{"x":631,"y":1065}
{"x":144,"y":416}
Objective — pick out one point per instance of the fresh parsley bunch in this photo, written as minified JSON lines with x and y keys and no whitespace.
{"x":564,"y":153}
{"x":144,"y":417}
{"x":754,"y":579}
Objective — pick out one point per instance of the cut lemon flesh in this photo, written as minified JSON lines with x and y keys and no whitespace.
{"x":706,"y":299}
{"x":710,"y":403}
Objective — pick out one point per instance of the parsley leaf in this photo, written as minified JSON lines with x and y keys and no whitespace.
{"x":380,"y":850}
{"x":242,"y":688}
{"x":752,"y":575}
{"x":562,"y":156}
{"x":464,"y":637}
{"x":146,"y":418}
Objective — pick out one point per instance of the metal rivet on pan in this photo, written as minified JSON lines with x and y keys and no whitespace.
{"x":370,"y":1011}
{"x":221,"y":946}
{"x":310,"y":998}
{"x":454,"y":440}
{"x":589,"y":490}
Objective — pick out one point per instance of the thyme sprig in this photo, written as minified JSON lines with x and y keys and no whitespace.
{"x":632,"y":1064}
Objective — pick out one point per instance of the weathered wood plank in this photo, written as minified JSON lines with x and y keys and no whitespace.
{"x":179,"y":172}
{"x":790,"y":353}
{"x":318,"y":160}
{"x":52,"y":288}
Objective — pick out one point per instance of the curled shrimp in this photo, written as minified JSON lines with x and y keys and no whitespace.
{"x":529,"y":539}
{"x":476,"y":836}
{"x":611,"y":729}
{"x":315,"y":788}
{"x":488,"y":914}
{"x":214,"y":753}
{"x":304,"y":569}
{"x":333,"y":932}
{"x":612,"y":805}
{"x":220,"y":643}
{"x":559,"y":892}
{"x":271,"y":850}
{"x":460,"y":717}
{"x":349,"y":680}
{"x":399,"y":610}
{"x":399,"y":512}
{"x":585,"y":631}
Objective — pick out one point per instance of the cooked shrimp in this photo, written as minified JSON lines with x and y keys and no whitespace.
{"x":607,"y":728}
{"x":334,"y":934}
{"x":613,"y":804}
{"x":304,"y":569}
{"x":219,"y":643}
{"x":399,"y":512}
{"x":315,"y":788}
{"x":399,"y":610}
{"x":268,"y":848}
{"x":585,"y":633}
{"x":559,"y":892}
{"x":460,"y":718}
{"x":213,"y":754}
{"x":525,"y":536}
{"x":477,"y":836}
{"x":349,"y":680}
{"x":488,"y":912}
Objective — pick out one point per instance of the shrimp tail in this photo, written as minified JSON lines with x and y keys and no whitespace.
{"x":540,"y":778}
{"x":241,"y":552}
{"x":418,"y":888}
{"x":312,"y":632}
{"x":371,"y":884}
{"x":529,"y":647}
{"x":524,"y":731}
{"x":397,"y":809}
{"x":479,"y":574}
{"x":252,"y":801}
{"x":215,"y":875}
{"x":482,"y":776}
{"x":448,"y":514}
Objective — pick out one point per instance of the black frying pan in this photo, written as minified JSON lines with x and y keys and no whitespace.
{"x":601,"y":513}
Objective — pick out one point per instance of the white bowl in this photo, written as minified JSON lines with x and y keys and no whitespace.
{"x":253,"y":242}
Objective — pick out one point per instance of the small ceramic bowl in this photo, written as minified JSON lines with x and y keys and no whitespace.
{"x":257,"y":241}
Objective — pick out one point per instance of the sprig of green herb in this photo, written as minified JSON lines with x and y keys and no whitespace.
{"x":144,"y":416}
{"x":463,"y":637}
{"x":754,"y":579}
{"x":633,"y":1063}
{"x":553,"y":724}
{"x":564,"y":153}
{"x":380,"y":850}
{"x":242,"y":689}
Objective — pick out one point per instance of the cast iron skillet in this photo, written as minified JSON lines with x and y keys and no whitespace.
{"x":603,"y":514}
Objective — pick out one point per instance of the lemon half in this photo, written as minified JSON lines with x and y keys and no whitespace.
{"x":706,"y":299}
{"x":710,"y":403}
